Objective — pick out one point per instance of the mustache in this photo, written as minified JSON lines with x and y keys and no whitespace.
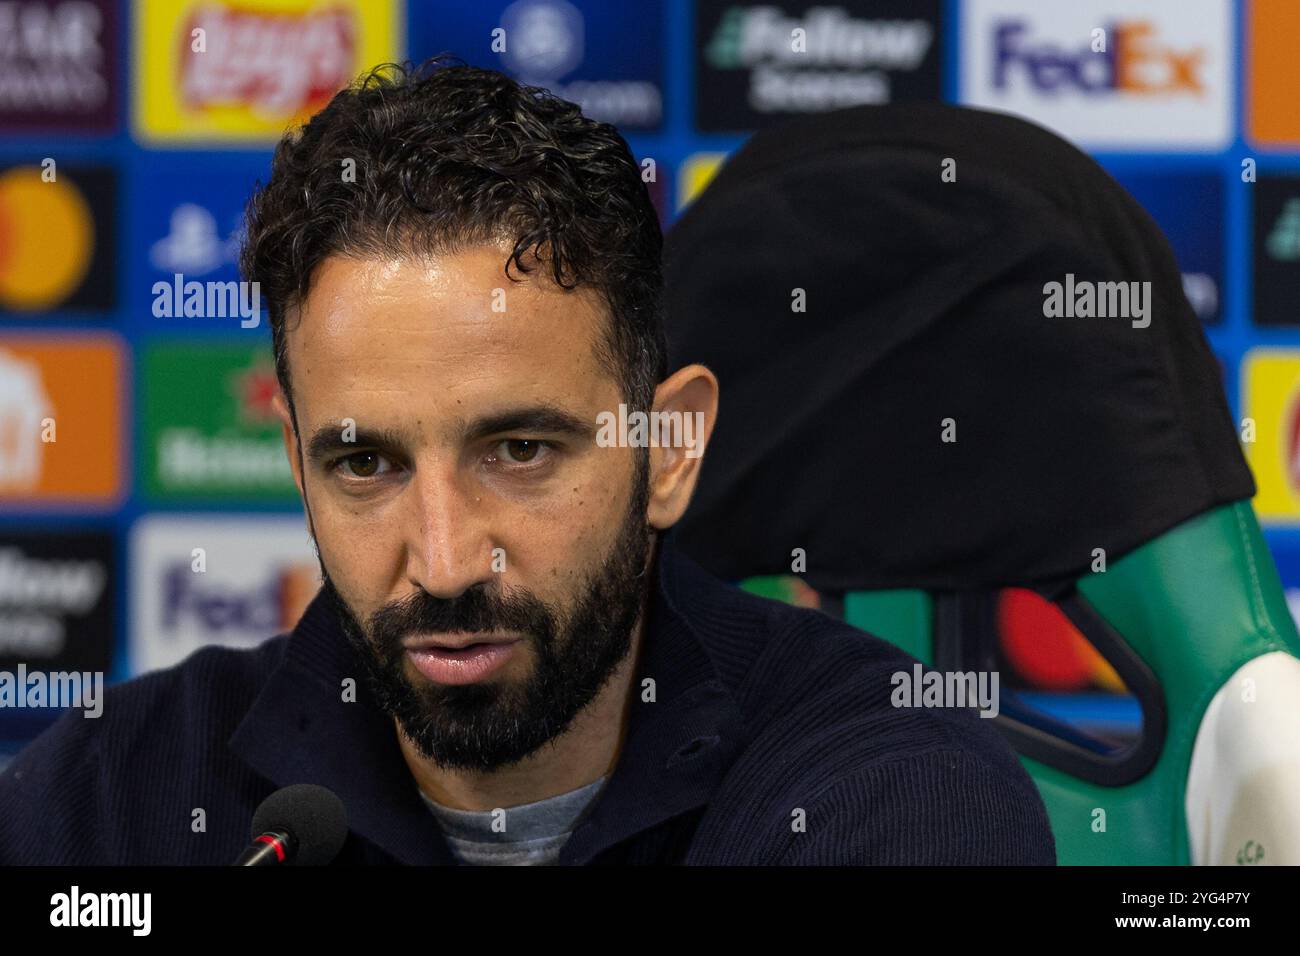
{"x":476,"y":610}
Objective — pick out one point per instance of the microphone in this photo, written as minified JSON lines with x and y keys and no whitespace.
{"x":301,"y":825}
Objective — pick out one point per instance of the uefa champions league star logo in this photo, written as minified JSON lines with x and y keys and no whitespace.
{"x":544,"y":40}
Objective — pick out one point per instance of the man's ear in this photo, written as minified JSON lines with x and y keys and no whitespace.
{"x":280,"y":406}
{"x":691,"y":391}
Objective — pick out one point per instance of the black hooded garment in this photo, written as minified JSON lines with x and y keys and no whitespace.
{"x":925,"y":302}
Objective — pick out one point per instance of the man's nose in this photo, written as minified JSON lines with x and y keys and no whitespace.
{"x":449,"y":548}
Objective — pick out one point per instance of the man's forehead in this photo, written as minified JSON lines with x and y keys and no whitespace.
{"x":442,"y":331}
{"x":464,"y":296}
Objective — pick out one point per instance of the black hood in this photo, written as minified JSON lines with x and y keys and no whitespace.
{"x":924,"y":301}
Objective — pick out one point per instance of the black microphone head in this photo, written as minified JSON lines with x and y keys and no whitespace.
{"x":313,"y":814}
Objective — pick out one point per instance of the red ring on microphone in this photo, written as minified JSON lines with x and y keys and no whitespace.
{"x":275,"y":844}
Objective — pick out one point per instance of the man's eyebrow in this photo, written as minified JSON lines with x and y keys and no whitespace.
{"x":328,"y":440}
{"x":546,"y":419}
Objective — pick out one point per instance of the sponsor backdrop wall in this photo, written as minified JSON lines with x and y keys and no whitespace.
{"x":137,"y":446}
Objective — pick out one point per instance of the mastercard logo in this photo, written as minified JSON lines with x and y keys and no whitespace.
{"x":47,"y":240}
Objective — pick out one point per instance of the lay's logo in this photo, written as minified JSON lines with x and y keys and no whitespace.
{"x":276,"y":64}
{"x":1292,"y":462}
{"x":247,"y":71}
{"x":1270,"y":384}
{"x":1138,"y":75}
{"x":1126,"y":57}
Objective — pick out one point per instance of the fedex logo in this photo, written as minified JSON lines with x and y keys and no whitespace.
{"x":1125,"y":56}
{"x":215,"y":579}
{"x":1138,"y":75}
{"x":217,"y":607}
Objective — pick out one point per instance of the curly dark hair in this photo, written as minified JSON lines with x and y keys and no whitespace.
{"x":447,"y":156}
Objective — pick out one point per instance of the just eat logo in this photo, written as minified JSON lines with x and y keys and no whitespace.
{"x":1132,"y":61}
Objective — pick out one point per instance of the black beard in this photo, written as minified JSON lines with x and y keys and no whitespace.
{"x":486,"y":726}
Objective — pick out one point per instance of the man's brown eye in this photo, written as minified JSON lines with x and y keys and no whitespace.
{"x":363,"y":464}
{"x":522,"y":449}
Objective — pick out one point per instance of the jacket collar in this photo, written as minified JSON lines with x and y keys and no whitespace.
{"x":684,"y":728}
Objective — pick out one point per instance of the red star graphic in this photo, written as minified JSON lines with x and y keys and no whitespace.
{"x":254,"y":389}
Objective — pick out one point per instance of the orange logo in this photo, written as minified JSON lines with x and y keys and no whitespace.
{"x":1273,"y":36}
{"x":60,"y":419}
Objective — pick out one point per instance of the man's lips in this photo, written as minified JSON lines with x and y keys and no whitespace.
{"x":458,"y":640}
{"x":461,"y":658}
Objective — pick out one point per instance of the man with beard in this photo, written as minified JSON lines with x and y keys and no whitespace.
{"x":508,"y":661}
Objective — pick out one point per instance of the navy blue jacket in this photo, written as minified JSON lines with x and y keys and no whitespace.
{"x":771,"y":740}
